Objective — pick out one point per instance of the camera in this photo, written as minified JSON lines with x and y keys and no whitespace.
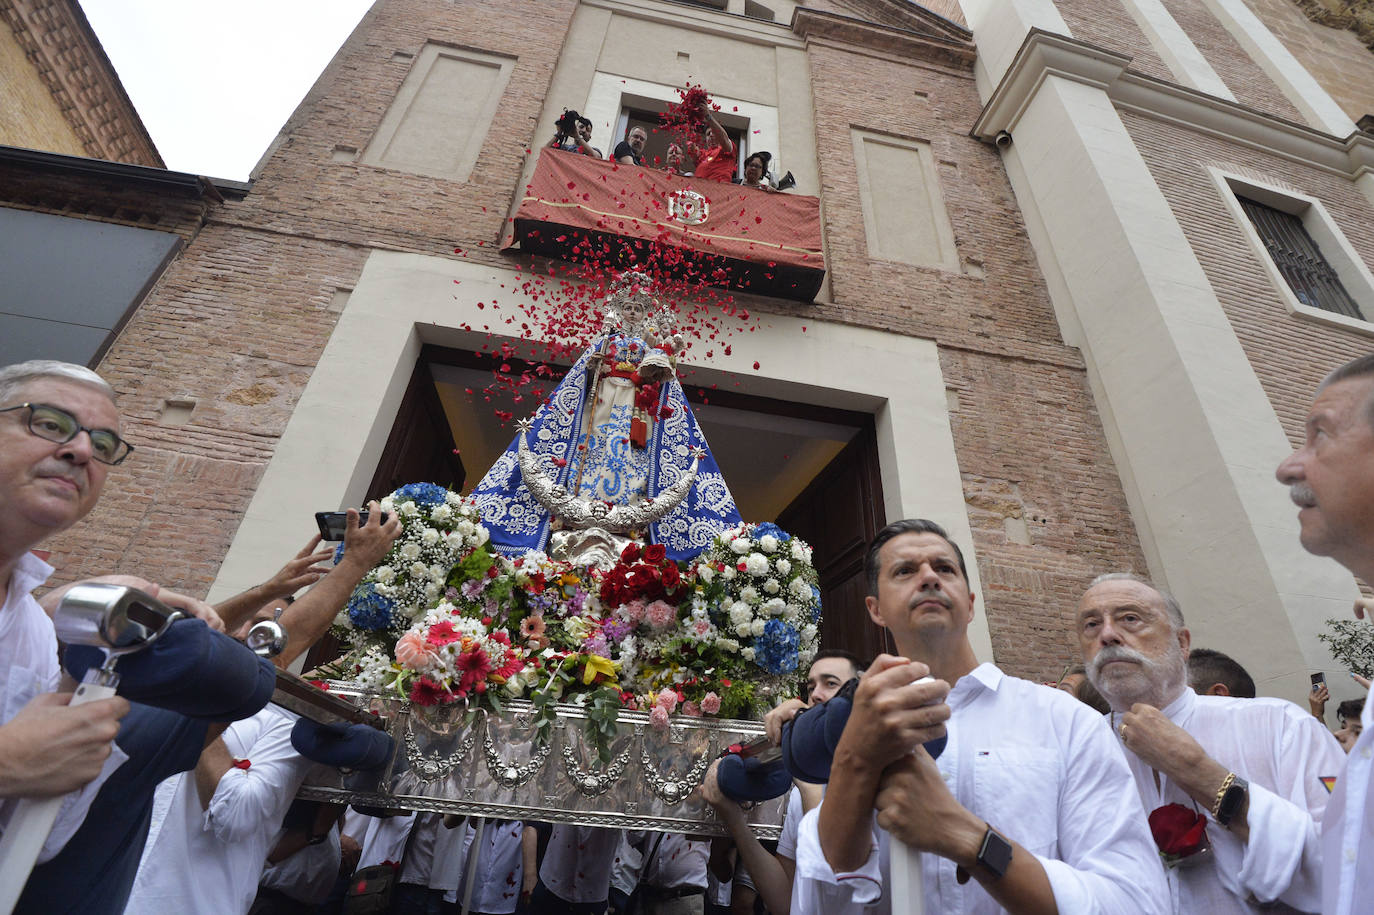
{"x":333,"y":524}
{"x":567,"y":123}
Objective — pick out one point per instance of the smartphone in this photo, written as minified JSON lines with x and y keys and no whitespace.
{"x":332,"y":524}
{"x":1318,"y":679}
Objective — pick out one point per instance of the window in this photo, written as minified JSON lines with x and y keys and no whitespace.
{"x":1315,"y":270}
{"x":1298,"y":258}
{"x":656,"y":148}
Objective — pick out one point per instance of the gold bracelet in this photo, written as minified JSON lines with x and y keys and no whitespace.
{"x":1226,"y":784}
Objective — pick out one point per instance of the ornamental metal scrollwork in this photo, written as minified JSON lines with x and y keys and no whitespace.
{"x":593,"y":784}
{"x":507,"y":774}
{"x":433,"y":768}
{"x":675,"y":790}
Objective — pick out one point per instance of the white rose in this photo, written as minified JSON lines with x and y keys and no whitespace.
{"x":757,"y":564}
{"x":808,"y":632}
{"x":452,"y":498}
{"x":728,"y":573}
{"x":740,"y":545}
{"x":744,"y":630}
{"x":429,"y":536}
{"x":771,"y":586}
{"x":783,"y":566}
{"x":465,"y":527}
{"x":756,"y":628}
{"x":768,"y":542}
{"x":482,"y":535}
{"x":747,"y":654}
{"x":798,"y":551}
{"x":384,"y":590}
{"x":410,"y":550}
{"x":515,"y":686}
{"x":383,"y":574}
{"x":419,"y":570}
{"x":774,"y":607}
{"x":740,"y":612}
{"x":706,"y":573}
{"x":801,"y":590}
{"x":749,"y":595}
{"x":727,"y":644}
{"x":431,"y":591}
{"x":438,"y":574}
{"x":441,"y":514}
{"x":409,"y":510}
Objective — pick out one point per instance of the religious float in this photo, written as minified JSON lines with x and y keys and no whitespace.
{"x":578,"y":639}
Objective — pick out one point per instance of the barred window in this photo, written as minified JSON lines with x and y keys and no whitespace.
{"x":1311,"y":277}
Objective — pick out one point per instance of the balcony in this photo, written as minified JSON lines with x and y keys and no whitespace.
{"x":577,"y":208}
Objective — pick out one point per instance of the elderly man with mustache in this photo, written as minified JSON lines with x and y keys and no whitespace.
{"x":1235,"y":788}
{"x":1331,"y":478}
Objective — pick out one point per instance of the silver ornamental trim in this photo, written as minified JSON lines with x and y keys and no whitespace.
{"x":578,"y":513}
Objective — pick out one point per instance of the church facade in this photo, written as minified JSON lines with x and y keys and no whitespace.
{"x":1071,"y":307}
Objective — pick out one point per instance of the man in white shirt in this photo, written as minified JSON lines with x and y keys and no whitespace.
{"x":575,"y":876}
{"x":1030,"y":798}
{"x":1254,"y":769}
{"x":1331,"y":478}
{"x":59,"y":436}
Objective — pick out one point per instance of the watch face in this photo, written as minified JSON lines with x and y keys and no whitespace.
{"x":995,"y":854}
{"x":1232,"y":800}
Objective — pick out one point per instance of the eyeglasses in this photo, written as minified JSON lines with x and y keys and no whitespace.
{"x":56,"y":425}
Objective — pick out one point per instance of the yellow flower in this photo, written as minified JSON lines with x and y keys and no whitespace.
{"x":596,"y":666}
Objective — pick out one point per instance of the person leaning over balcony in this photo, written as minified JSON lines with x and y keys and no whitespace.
{"x":630,"y":151}
{"x":717,"y":161}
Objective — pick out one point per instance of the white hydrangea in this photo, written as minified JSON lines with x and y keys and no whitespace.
{"x":768,"y":543}
{"x":741,"y":545}
{"x":771,"y":586}
{"x":783,"y":566}
{"x":757,"y":564}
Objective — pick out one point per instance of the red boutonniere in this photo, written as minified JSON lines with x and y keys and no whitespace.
{"x":242,"y":764}
{"x":1180,"y":832}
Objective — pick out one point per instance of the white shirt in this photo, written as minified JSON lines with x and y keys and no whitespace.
{"x":382,"y":839}
{"x":1283,"y":752}
{"x":500,"y":867}
{"x":28,"y":667}
{"x":207,"y":862}
{"x":1040,"y":768}
{"x":677,"y":861}
{"x":308,"y":875}
{"x":1348,"y":829}
{"x":577,"y":863}
{"x":791,"y":821}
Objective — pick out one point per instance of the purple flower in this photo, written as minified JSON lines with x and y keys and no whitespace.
{"x":473,"y":587}
{"x":451,"y":594}
{"x":596,"y":644}
{"x":577,"y":602}
{"x":615,"y":631}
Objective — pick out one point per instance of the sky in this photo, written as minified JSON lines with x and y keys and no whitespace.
{"x":214,"y":80}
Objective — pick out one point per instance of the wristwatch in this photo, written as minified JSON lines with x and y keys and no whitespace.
{"x":994,"y":855}
{"x":1230,"y":799}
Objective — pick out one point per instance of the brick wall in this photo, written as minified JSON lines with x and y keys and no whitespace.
{"x":1106,"y":23}
{"x":1289,"y":354}
{"x":1030,"y":444}
{"x":1247,"y":82}
{"x":1337,"y":57}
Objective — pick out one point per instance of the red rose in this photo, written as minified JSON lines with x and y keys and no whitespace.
{"x":1179,"y":831}
{"x":671,"y":576}
{"x":630,"y":553}
{"x":655,"y":553}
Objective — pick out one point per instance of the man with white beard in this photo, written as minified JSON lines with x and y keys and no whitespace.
{"x":1236,"y":788}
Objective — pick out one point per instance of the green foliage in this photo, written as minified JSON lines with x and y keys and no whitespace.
{"x":603,"y":708}
{"x":1352,"y":645}
{"x":735,"y":702}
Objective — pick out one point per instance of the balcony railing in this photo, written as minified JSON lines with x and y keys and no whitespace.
{"x":726,"y":235}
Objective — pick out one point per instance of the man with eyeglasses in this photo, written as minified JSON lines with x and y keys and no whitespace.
{"x":58,"y":438}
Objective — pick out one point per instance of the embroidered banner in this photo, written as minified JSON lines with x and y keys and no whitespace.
{"x":579,"y":208}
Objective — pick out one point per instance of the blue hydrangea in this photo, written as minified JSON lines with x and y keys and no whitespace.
{"x":422,"y":494}
{"x":816,"y":604}
{"x":769,"y":527}
{"x":776,"y":650}
{"x":370,"y":610}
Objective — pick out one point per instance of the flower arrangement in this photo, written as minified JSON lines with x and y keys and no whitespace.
{"x":445,"y":620}
{"x":762,"y":592}
{"x":437,"y":528}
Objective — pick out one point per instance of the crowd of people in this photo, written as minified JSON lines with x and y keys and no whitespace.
{"x":711,"y":157}
{"x":1152,"y":779}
